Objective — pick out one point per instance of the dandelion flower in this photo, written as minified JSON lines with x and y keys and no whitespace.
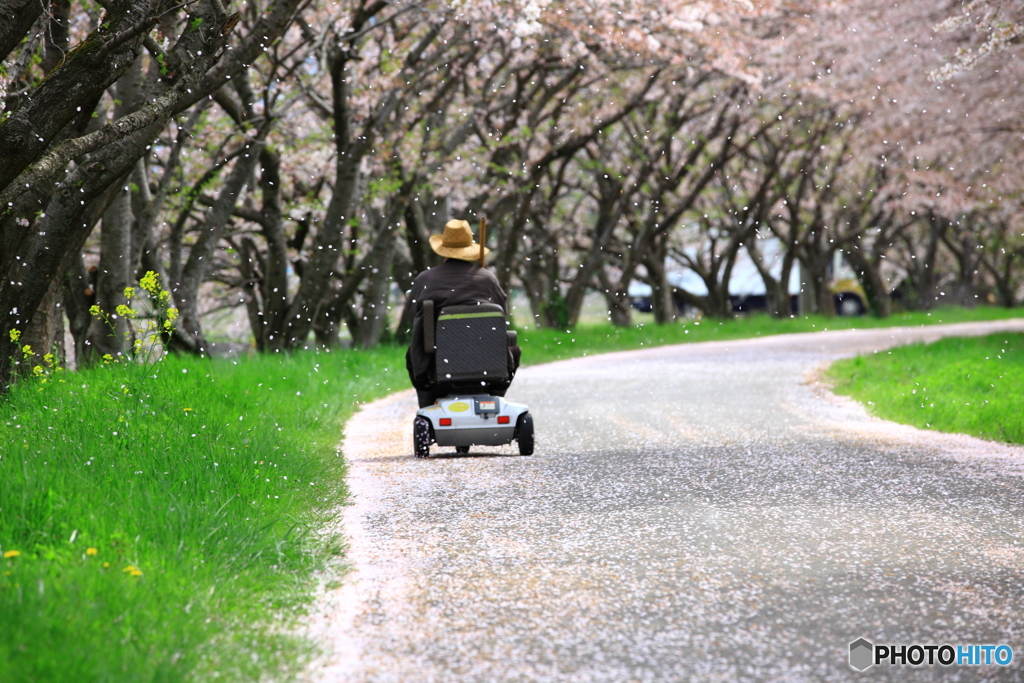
{"x":129,"y":569}
{"x":11,"y":553}
{"x":91,"y":551}
{"x":135,"y":572}
{"x":106,"y":565}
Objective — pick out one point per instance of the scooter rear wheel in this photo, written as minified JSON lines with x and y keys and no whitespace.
{"x":421,"y":436}
{"x":524,"y":434}
{"x":462,"y":450}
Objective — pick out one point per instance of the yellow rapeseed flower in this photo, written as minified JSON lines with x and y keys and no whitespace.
{"x":172,"y":315}
{"x":125,"y":311}
{"x":150,"y":282}
{"x":26,"y":350}
{"x":129,"y":292}
{"x":91,"y":551}
{"x":95,"y":310}
{"x":107,"y":358}
{"x":11,"y":553}
{"x":37,"y":370}
{"x":15,"y":335}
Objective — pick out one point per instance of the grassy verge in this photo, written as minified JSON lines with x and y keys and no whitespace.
{"x":159,"y":525}
{"x":542,"y":346}
{"x":967,"y":385}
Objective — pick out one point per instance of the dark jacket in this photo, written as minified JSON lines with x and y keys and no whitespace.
{"x":452,"y":283}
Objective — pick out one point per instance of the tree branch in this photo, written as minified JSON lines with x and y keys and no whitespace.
{"x":42,"y":173}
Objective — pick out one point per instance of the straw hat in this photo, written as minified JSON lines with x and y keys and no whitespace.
{"x":457,"y":242}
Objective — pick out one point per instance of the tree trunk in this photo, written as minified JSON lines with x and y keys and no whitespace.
{"x":535,"y":288}
{"x":111,"y":336}
{"x":45,"y":334}
{"x":417,"y":236}
{"x":67,"y":223}
{"x":870,"y":276}
{"x":818,"y":279}
{"x":16,"y":19}
{"x":620,"y":311}
{"x":662,"y":301}
{"x":609,"y":212}
{"x":188,"y":335}
{"x":776,"y":291}
{"x":79,"y":294}
{"x":58,"y":37}
{"x":117,"y":262}
{"x":275,"y":276}
{"x":1004,"y":278}
{"x":403,"y":272}
{"x":374,"y":320}
{"x":926,"y":274}
{"x":964,"y":250}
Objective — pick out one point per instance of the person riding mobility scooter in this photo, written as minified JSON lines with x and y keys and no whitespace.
{"x":462,"y":358}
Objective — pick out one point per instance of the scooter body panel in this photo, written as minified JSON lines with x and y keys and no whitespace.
{"x":473,"y":420}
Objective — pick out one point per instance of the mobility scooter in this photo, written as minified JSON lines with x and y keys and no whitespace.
{"x":469,"y":345}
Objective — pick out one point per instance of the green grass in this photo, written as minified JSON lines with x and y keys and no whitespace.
{"x":967,"y":385}
{"x":211,"y":478}
{"x":542,"y":346}
{"x":154,"y":469}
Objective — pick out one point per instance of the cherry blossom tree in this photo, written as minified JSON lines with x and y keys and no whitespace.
{"x":61,"y":175}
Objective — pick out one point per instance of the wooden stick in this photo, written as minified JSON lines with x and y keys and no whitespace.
{"x":483,"y":239}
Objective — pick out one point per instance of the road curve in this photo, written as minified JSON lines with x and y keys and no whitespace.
{"x":703,"y":512}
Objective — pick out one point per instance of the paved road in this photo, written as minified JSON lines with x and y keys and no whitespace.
{"x":705,"y":512}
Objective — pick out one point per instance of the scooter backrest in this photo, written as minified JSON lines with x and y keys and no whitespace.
{"x":471,"y":343}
